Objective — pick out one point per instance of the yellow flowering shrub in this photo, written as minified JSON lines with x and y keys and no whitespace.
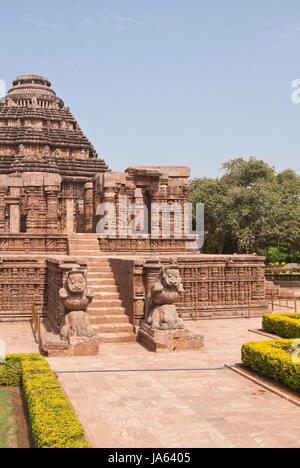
{"x":53,"y":421}
{"x":272,"y":359}
{"x":283,"y":325}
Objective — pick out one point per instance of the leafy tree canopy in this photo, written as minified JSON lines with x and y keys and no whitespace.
{"x":251,"y":208}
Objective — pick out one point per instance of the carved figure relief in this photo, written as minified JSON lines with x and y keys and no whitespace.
{"x":160,"y":311}
{"x":76,"y":298}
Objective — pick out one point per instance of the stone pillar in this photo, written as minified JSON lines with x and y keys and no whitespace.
{"x":152,"y":268}
{"x":80,"y":221}
{"x":141,"y":218}
{"x":52,"y":208}
{"x":89,"y":207}
{"x":70,"y":215}
{"x":14,"y":210}
{"x":139,"y":292}
{"x":111,"y":215}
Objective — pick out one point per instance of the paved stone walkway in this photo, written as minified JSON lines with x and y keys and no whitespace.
{"x":18,"y":337}
{"x":171,"y":409}
{"x":178,"y":409}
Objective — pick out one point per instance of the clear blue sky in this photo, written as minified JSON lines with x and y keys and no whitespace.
{"x":170,"y":82}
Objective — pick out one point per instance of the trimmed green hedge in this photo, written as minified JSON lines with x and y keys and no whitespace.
{"x":283,"y":325}
{"x":53,"y":421}
{"x":283,"y":276}
{"x":272,"y":360}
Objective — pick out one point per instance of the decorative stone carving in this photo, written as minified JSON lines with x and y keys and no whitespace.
{"x":76,"y":298}
{"x":21,"y":150}
{"x":162,"y":330}
{"x":47,"y":151}
{"x":160,"y":311}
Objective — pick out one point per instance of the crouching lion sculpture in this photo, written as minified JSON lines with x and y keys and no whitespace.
{"x":160,"y":311}
{"x":76,"y":298}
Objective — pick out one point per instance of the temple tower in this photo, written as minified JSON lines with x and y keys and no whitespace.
{"x":45,"y":161}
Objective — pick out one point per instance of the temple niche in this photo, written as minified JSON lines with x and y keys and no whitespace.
{"x":61,"y":208}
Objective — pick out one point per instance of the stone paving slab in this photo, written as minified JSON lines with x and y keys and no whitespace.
{"x":19,"y":337}
{"x":178,"y":409}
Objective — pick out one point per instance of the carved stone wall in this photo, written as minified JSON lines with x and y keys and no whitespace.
{"x":123,"y":197}
{"x":146,"y":245}
{"x":219,"y":285}
{"x":33,"y":243}
{"x":56,"y":275}
{"x":22,"y":282}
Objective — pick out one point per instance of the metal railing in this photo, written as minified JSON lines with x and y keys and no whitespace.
{"x":195,"y":307}
{"x":294,"y":307}
{"x":250,"y":303}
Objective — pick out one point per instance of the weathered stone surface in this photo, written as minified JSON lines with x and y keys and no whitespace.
{"x":76,"y":297}
{"x":51,"y":184}
{"x":81,"y":346}
{"x":76,"y":347}
{"x":166,"y":341}
{"x":160,"y":311}
{"x":52,"y":345}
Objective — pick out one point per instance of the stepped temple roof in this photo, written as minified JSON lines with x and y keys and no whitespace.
{"x":38,"y":133}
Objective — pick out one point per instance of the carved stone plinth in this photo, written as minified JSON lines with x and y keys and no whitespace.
{"x":52,"y":345}
{"x":76,"y":347}
{"x":166,"y":341}
{"x":82,"y":346}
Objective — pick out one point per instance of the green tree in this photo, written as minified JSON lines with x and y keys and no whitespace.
{"x":250,"y":208}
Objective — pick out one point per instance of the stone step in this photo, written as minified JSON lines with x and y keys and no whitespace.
{"x":113,"y":303}
{"x":110,"y":310}
{"x":95,"y":275}
{"x":102,"y":269}
{"x":117,"y":337}
{"x":98,"y":319}
{"x":105,"y":296}
{"x":113,"y":328}
{"x":83,"y":235}
{"x":94,"y":261}
{"x":101,"y":264}
{"x":99,"y":300}
{"x":100,"y":273}
{"x":84,"y":253}
{"x":96,"y":310}
{"x":99,"y":288}
{"x":85,"y":244}
{"x":95,"y":285}
{"x":93,"y":240}
{"x":100,"y":281}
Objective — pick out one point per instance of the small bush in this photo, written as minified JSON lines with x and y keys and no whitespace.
{"x":53,"y":421}
{"x":11,"y":372}
{"x":283,"y":325}
{"x":272,"y":360}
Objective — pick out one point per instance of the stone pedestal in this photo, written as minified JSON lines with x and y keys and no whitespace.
{"x":76,"y":347}
{"x":81,"y":346}
{"x":166,"y":341}
{"x":53,"y":346}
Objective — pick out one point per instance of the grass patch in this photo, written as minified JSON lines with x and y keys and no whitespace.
{"x":8,"y":424}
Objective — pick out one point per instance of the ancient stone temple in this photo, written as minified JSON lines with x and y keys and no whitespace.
{"x":62,"y":209}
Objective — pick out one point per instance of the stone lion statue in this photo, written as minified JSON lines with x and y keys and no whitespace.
{"x":76,"y":298}
{"x":160,"y":311}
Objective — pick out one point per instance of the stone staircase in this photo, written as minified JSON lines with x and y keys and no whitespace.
{"x":108,"y":317}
